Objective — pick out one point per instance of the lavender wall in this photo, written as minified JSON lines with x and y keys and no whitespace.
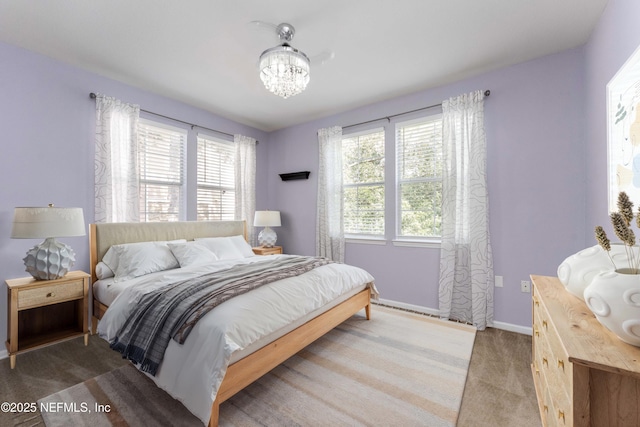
{"x":534,"y":126}
{"x":612,"y":42}
{"x":546,"y":134}
{"x":46,"y":149}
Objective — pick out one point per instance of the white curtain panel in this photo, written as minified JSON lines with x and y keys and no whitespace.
{"x":466,"y":263}
{"x":246,"y":182}
{"x":330,"y":209}
{"x":116,"y":161}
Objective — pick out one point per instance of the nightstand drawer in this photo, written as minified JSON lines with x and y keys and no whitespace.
{"x":45,"y":295}
{"x":262,"y":250}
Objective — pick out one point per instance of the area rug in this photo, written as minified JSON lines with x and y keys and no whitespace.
{"x":399,"y":368}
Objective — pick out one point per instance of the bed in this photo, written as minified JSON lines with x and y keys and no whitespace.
{"x":330,"y":294}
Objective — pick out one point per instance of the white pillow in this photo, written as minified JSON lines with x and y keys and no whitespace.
{"x":242,"y":246}
{"x":223,"y":247}
{"x":137,"y":259}
{"x":192,"y":253}
{"x":103,"y":271}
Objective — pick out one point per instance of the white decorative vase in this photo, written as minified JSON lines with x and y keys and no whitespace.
{"x":614,"y":298}
{"x":577,"y":271}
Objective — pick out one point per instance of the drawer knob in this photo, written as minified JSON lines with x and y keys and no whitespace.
{"x":561,"y":364}
{"x":544,"y":324}
{"x":545,"y":361}
{"x":536,"y":302}
{"x":546,"y":408}
{"x":51,"y":294}
{"x":536,"y":331}
{"x":561,"y":415}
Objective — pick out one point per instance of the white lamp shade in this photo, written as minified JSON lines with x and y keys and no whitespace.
{"x":267,"y":219}
{"x":39,"y":222}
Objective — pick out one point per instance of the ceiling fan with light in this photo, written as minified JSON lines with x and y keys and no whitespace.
{"x":285,"y":70}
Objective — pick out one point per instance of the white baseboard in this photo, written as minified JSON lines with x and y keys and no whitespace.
{"x":4,"y":354}
{"x":418,"y":308}
{"x":526,"y":330}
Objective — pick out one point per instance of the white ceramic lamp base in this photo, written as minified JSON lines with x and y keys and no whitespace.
{"x":267,"y":237}
{"x":49,"y":260}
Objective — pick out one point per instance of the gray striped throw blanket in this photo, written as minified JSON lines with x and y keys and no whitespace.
{"x":173,"y":310}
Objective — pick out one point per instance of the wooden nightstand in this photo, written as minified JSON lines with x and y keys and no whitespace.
{"x":42,"y":312}
{"x":262,"y":250}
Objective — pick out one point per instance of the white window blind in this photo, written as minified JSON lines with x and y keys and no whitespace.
{"x":363,"y":181}
{"x":216,"y":179}
{"x":161,"y":167}
{"x":419,"y":177}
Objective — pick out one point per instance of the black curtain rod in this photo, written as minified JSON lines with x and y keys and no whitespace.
{"x":93,"y":96}
{"x":388,"y":118}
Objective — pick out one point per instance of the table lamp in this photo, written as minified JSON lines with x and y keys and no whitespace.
{"x":267,"y":219}
{"x":50,"y":259}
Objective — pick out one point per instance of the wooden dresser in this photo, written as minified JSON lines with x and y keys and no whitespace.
{"x":583,"y":374}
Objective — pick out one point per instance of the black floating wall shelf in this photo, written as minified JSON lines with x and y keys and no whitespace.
{"x":294,"y":175}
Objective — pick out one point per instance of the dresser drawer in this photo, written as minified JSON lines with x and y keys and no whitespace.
{"x":555,"y":380}
{"x":558,"y":357}
{"x":561,"y":365}
{"x":553,"y":411}
{"x":50,"y":294}
{"x":555,"y":371}
{"x":548,"y":410}
{"x":554,"y":416}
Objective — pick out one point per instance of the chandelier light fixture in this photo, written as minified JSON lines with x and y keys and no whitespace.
{"x":284,"y":70}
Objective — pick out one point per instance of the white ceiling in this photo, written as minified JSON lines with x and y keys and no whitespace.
{"x":205,"y":52}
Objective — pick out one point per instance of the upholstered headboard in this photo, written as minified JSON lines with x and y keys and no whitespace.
{"x":103,"y":236}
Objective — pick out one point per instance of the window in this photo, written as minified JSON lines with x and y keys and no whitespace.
{"x":419,"y":178}
{"x":161,"y":168}
{"x":363,"y":182}
{"x":216,"y":179}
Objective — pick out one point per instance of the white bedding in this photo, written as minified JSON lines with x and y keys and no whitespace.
{"x":193,"y":372}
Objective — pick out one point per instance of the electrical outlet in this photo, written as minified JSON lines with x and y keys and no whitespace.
{"x":498,"y":282}
{"x":525,"y":286}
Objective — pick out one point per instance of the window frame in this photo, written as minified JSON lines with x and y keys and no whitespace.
{"x":369,"y":238}
{"x":181,"y":185}
{"x":217,"y":186}
{"x":406,"y":240}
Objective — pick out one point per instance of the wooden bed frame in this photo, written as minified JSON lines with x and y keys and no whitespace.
{"x":244,"y":371}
